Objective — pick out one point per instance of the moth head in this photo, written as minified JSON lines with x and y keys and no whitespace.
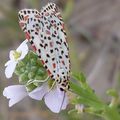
{"x":25,"y":14}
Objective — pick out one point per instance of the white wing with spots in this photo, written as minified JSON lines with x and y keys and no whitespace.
{"x":48,"y":38}
{"x":55,"y":26}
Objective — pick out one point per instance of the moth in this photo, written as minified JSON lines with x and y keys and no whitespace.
{"x":46,"y":33}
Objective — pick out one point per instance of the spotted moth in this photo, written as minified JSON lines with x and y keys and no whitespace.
{"x":45,"y":31}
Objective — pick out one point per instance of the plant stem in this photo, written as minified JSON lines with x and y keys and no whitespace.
{"x":91,"y":100}
{"x":111,"y":113}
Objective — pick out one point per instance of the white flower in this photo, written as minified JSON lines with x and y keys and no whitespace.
{"x":15,"y":93}
{"x":55,"y":99}
{"x":15,"y":56}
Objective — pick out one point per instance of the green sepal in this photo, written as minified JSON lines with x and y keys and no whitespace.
{"x":23,"y":78}
{"x":41,"y":72}
{"x":30,"y":68}
{"x":31,"y":75}
{"x":31,"y":87}
{"x":34,"y":69}
{"x":38,"y":77}
{"x":21,"y":64}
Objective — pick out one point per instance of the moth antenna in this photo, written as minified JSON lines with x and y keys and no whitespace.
{"x":38,"y":81}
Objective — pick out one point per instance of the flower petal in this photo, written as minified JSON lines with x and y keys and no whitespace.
{"x":15,"y":93}
{"x":10,"y":68}
{"x":11,"y":56}
{"x":39,"y":92}
{"x":23,"y":48}
{"x":24,"y":43}
{"x":65,"y":102}
{"x":56,"y":100}
{"x":8,"y":62}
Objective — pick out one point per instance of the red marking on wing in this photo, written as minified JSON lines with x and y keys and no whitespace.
{"x":49,"y":73}
{"x":26,"y":17}
{"x":54,"y":65}
{"x":63,"y":62}
{"x":34,"y":48}
{"x":46,"y":22}
{"x":37,"y":16}
{"x":59,"y":16}
{"x":46,"y":14}
{"x":27,"y":35}
{"x":21,"y":24}
{"x":53,"y":13}
{"x":47,"y":32}
{"x":37,"y":29}
{"x":51,"y":44}
{"x":63,"y":26}
{"x":42,"y":62}
{"x":55,"y":25}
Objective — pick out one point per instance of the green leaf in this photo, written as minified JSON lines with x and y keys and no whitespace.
{"x":113,"y":93}
{"x":111,"y":114}
{"x":79,"y":76}
{"x":86,"y":97}
{"x":91,"y":103}
{"x":84,"y":93}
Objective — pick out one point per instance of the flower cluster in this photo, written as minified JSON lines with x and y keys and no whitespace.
{"x":33,"y":80}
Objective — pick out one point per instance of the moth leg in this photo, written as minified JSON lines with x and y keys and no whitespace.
{"x":37,"y":81}
{"x":51,"y":87}
{"x":63,"y":95}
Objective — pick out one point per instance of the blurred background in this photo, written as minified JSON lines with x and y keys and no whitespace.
{"x":93,"y":29}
